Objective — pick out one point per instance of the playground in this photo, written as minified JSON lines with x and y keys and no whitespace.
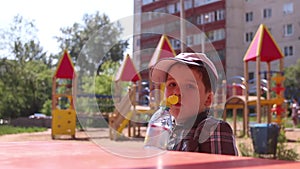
{"x":128,"y":116}
{"x":260,"y":98}
{"x":119,"y":143}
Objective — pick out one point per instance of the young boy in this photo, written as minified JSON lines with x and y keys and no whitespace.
{"x":193,"y":77}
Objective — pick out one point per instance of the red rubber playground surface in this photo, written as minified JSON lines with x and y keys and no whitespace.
{"x":88,"y":155}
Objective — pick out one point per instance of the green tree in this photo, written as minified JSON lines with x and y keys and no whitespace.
{"x":24,"y":89}
{"x":292,"y":80}
{"x":25,"y":82}
{"x":96,"y":50}
{"x":96,"y":38}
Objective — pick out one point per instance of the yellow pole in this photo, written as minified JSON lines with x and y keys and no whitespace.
{"x":246,"y":110}
{"x":268,"y":91}
{"x":258,"y":90}
{"x":281,"y":65}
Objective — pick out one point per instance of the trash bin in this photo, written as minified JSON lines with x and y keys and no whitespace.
{"x":264,"y":138}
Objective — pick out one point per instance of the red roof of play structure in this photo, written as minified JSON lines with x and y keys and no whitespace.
{"x":263,"y":45}
{"x":65,"y":68}
{"x":127,"y":71}
{"x":163,"y":50}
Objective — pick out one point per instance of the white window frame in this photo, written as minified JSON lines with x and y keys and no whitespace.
{"x":288,"y":8}
{"x":267,"y":13}
{"x":288,"y":29}
{"x":249,"y":36}
{"x":288,"y":51}
{"x":220,"y":14}
{"x":219,"y":34}
{"x":249,"y":16}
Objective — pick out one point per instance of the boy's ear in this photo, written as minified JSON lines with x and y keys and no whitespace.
{"x":209,"y":99}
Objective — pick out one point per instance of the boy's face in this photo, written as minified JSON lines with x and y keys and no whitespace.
{"x":187,"y":84}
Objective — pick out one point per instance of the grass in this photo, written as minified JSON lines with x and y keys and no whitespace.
{"x":7,"y":129}
{"x":286,"y":121}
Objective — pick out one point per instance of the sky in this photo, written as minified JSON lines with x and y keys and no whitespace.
{"x":50,"y":16}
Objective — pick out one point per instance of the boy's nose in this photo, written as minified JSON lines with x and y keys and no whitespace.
{"x":176,"y":91}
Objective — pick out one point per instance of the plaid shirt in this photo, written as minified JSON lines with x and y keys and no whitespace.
{"x":205,"y":135}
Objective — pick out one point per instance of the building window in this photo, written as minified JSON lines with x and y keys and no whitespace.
{"x":199,"y":20}
{"x":202,"y":19}
{"x":267,"y":13}
{"x":216,"y":35}
{"x":288,"y":51}
{"x":145,"y":2}
{"x":288,"y":30}
{"x":175,"y":43}
{"x":211,"y":17}
{"x":197,"y":38}
{"x":210,"y":36}
{"x":177,"y":7}
{"x":220,"y":15}
{"x":288,"y":8}
{"x":171,"y":8}
{"x":188,"y":4}
{"x":249,"y":16}
{"x":249,"y":36}
{"x":189,"y":41}
{"x":219,"y":34}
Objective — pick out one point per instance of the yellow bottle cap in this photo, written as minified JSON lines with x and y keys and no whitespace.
{"x":173,"y":99}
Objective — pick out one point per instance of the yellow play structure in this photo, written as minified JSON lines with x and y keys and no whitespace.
{"x":122,"y":115}
{"x":127,"y":113}
{"x":263,"y":48}
{"x":126,"y":109}
{"x":63,"y":112}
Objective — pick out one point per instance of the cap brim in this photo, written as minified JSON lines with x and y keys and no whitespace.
{"x":160,"y":70}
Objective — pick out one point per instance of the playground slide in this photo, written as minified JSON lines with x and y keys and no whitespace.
{"x":125,"y":122}
{"x":122,"y":114}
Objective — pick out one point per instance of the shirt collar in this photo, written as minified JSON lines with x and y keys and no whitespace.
{"x":194,"y":120}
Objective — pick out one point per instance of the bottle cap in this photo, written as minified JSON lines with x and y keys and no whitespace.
{"x":173,"y":99}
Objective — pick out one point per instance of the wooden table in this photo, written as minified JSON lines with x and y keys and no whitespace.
{"x":87,"y":155}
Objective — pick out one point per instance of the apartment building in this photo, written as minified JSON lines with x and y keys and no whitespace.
{"x":229,"y":27}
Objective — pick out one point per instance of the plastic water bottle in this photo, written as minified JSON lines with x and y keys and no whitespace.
{"x":160,"y":126}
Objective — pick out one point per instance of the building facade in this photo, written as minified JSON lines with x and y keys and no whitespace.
{"x":229,"y":27}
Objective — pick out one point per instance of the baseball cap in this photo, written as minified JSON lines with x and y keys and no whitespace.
{"x":159,"y":71}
